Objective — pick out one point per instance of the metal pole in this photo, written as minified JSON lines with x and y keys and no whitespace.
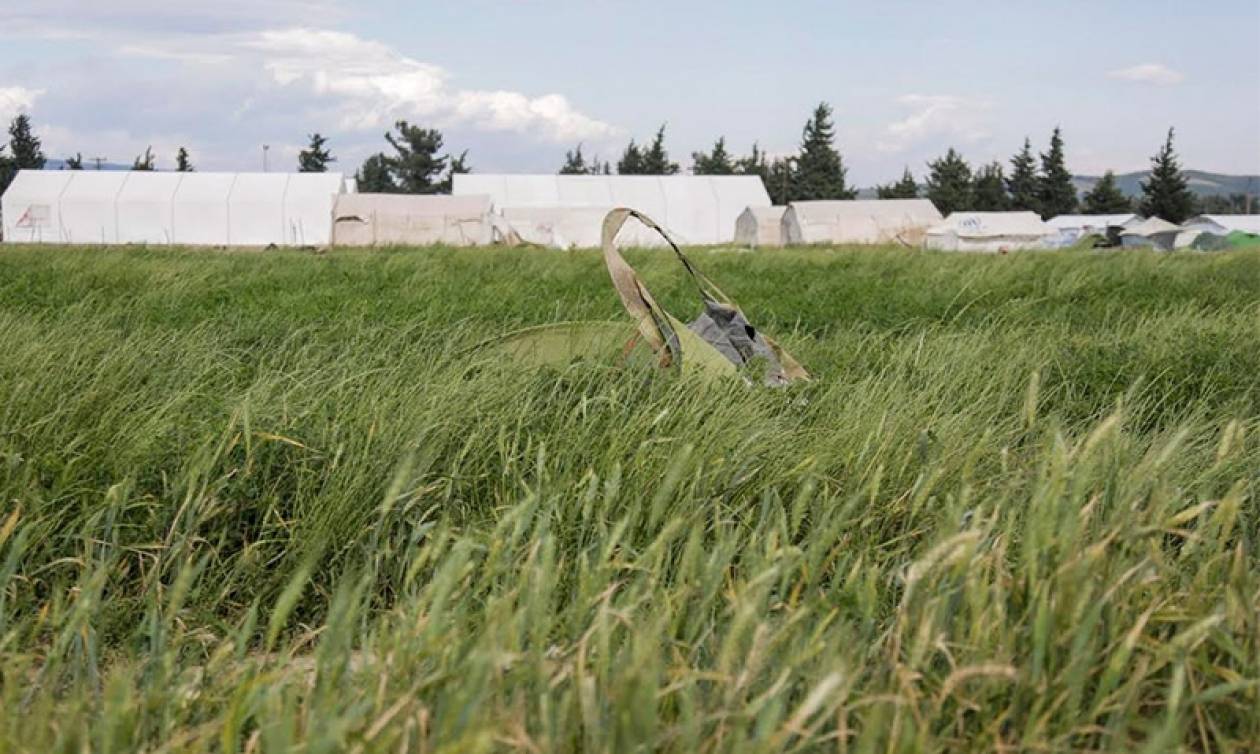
{"x":265,"y":148}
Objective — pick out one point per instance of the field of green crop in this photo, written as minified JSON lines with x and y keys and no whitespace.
{"x":269,"y":502}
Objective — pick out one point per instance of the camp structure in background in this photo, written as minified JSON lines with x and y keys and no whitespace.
{"x":411,"y":220}
{"x":1223,"y":225}
{"x":1072,"y":228}
{"x":1153,"y":232}
{"x":559,"y":227}
{"x":760,"y":227}
{"x":990,"y":231}
{"x":695,"y":210}
{"x":148,"y":207}
{"x":859,"y":221}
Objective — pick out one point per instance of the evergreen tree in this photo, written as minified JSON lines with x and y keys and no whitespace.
{"x":716,"y":162}
{"x":656,"y":159}
{"x":7,"y":171}
{"x":989,"y":190}
{"x":574,"y":163}
{"x":753,"y":164}
{"x":24,"y":146}
{"x":74,"y":163}
{"x":819,"y":172}
{"x":906,"y":188}
{"x":631,"y":162}
{"x":374,"y":176}
{"x":1106,"y":198}
{"x":458,"y":166}
{"x":146,"y":161}
{"x":417,"y":167}
{"x":780,"y":180}
{"x":949,"y":183}
{"x":1166,"y":194}
{"x":1055,"y":193}
{"x":182,"y":162}
{"x":1022,"y":185}
{"x":316,"y":157}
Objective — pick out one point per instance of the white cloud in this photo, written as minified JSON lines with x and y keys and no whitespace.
{"x":1149,"y":73}
{"x":935,"y":118}
{"x":148,"y":18}
{"x":16,"y":99}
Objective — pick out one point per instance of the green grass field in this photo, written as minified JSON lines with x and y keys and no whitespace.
{"x":267,"y":502}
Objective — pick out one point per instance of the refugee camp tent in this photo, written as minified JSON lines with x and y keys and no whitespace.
{"x":760,"y":226}
{"x":694,"y":209}
{"x":1072,"y":228}
{"x":145,"y":208}
{"x":990,"y":231}
{"x":561,"y":227}
{"x":31,"y":207}
{"x":411,"y":219}
{"x":309,"y":199}
{"x":903,"y":221}
{"x":1223,"y":225}
{"x":1143,"y":234}
{"x":199,"y":209}
{"x":89,"y":206}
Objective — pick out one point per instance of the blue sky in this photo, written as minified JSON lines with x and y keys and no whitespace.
{"x":518,"y":82}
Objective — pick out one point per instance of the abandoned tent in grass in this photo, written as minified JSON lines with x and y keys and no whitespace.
{"x":859,"y":221}
{"x":990,"y":231}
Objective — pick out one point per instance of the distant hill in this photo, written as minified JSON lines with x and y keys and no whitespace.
{"x":1201,"y":183}
{"x":53,"y":164}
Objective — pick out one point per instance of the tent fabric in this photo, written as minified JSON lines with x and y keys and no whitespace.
{"x":903,"y":221}
{"x":124,"y":207}
{"x":990,"y":231}
{"x":1223,"y":225}
{"x":1239,"y":239}
{"x":760,"y":226}
{"x":1073,"y":228}
{"x":693,"y":209}
{"x":1150,"y":227}
{"x":411,"y":220}
{"x":31,"y":207}
{"x":560,"y":227}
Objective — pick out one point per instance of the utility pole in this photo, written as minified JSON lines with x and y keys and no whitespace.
{"x":98,"y":161}
{"x":265,"y":148}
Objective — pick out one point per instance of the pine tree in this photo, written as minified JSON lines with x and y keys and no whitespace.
{"x":1106,"y":198}
{"x":374,"y":176}
{"x":753,"y":164}
{"x":146,"y":161}
{"x":316,"y":157}
{"x":74,"y":163}
{"x":989,"y":190}
{"x":819,"y":172}
{"x":716,"y":162}
{"x":656,"y":159}
{"x":7,"y":171}
{"x":24,"y":146}
{"x":183,"y":163}
{"x":1022,"y":185}
{"x":780,"y":180}
{"x":574,"y":163}
{"x":631,"y":162}
{"x":949,"y":183}
{"x":458,"y":166}
{"x":906,"y":188}
{"x":1055,"y":193}
{"x":1166,"y":194}
{"x":417,"y":167}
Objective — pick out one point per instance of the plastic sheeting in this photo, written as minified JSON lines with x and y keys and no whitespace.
{"x":409,"y":220}
{"x":990,"y":231}
{"x":760,"y":227}
{"x":860,"y":221}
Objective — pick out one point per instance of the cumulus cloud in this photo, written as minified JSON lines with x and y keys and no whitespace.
{"x":90,"y":18}
{"x":935,"y":117}
{"x":16,"y":99}
{"x":1149,"y":73}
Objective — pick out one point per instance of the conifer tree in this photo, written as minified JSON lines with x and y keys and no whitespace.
{"x":24,"y":146}
{"x":417,"y":167}
{"x":989,"y":191}
{"x":574,"y":163}
{"x":1166,"y":193}
{"x":183,"y":163}
{"x":949,"y":183}
{"x":631,"y":162}
{"x":316,"y":157}
{"x":1106,"y":198}
{"x":819,"y":171}
{"x":146,"y":161}
{"x":457,"y":166}
{"x":374,"y":177}
{"x":780,"y":180}
{"x":906,"y":188}
{"x":656,"y":159}
{"x":74,"y":163}
{"x":1055,"y":193}
{"x":716,"y":162}
{"x":1022,"y":185}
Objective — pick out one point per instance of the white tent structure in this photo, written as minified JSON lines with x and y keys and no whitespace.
{"x":760,"y":226}
{"x":1072,"y":228}
{"x":1143,"y":233}
{"x":128,"y":207}
{"x":990,"y":231}
{"x":694,"y":209}
{"x":565,"y":227}
{"x":411,"y":220}
{"x":1223,"y":225}
{"x":31,"y":208}
{"x":903,"y":221}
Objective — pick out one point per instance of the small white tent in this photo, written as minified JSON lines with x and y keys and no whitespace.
{"x":902,"y":221}
{"x":760,"y":226}
{"x":1144,"y":233}
{"x":31,"y":208}
{"x":1223,"y":225}
{"x":990,"y":231}
{"x":411,"y":220}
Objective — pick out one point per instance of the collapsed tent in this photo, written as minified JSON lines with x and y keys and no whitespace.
{"x":1223,"y":225}
{"x":760,"y":226}
{"x":902,"y":221}
{"x":411,"y":220}
{"x":1073,"y":228}
{"x":990,"y":231}
{"x":694,"y":209}
{"x":123,"y":207}
{"x":1152,"y":232}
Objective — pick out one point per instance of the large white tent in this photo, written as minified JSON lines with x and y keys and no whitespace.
{"x":990,"y":231}
{"x":1145,"y":232}
{"x":859,"y":221}
{"x":694,"y":209}
{"x":1223,"y":225}
{"x":412,"y":220}
{"x":760,"y":226}
{"x":1072,"y":228}
{"x":113,"y":207}
{"x":563,"y":227}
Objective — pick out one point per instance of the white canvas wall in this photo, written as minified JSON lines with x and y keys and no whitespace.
{"x":401,"y":219}
{"x":309,"y":199}
{"x":89,"y":206}
{"x":560,"y":227}
{"x":990,"y":231}
{"x":199,"y":209}
{"x":859,"y":221}
{"x":145,"y":208}
{"x":256,"y":209}
{"x":31,"y":206}
{"x":760,"y":227}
